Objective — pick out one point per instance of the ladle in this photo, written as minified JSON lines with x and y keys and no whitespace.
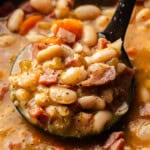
{"x":118,"y":25}
{"x":115,"y":30}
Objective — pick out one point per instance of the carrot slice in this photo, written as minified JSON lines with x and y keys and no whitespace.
{"x":51,"y":40}
{"x":29,"y":23}
{"x":73,"y":25}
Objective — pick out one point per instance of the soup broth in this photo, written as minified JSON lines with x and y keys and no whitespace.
{"x":16,"y":133}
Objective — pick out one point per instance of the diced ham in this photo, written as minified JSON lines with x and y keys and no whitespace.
{"x":145,"y":111}
{"x":70,"y":62}
{"x":27,"y":8}
{"x":115,"y":141}
{"x":14,"y":146}
{"x":39,"y":114}
{"x":66,"y":36}
{"x":49,"y":77}
{"x":3,"y":90}
{"x":36,"y":47}
{"x":118,"y":145}
{"x":99,"y":75}
{"x":102,"y":43}
{"x":74,"y":61}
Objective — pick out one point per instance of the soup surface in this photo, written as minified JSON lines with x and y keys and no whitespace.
{"x":33,"y":25}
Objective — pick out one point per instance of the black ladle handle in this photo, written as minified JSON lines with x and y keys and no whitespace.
{"x":119,"y":23}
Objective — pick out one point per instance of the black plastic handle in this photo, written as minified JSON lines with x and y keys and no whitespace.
{"x":119,"y":23}
{"x":95,"y":2}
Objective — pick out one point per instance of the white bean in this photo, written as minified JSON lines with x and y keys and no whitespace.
{"x":49,"y":53}
{"x":42,"y":89}
{"x":107,"y":95}
{"x":143,"y":15}
{"x":144,"y":94}
{"x":15,"y":20}
{"x":87,"y":12}
{"x":7,"y":40}
{"x":77,"y":47}
{"x":101,"y":56}
{"x":73,"y":75}
{"x":62,"y":4}
{"x":43,"y":6}
{"x":34,"y":37}
{"x":25,"y":80}
{"x":123,"y":108}
{"x":42,"y":99}
{"x":100,"y":120}
{"x":101,"y":22}
{"x":62,"y":9}
{"x":22,"y":95}
{"x":44,"y":25}
{"x":116,"y":45}
{"x":87,"y":102}
{"x":91,"y":102}
{"x":67,"y":50}
{"x":120,"y":68}
{"x":62,"y":95}
{"x":144,"y":131}
{"x":86,"y":50}
{"x":89,"y":36}
{"x":108,"y":12}
{"x":62,"y":12}
{"x":100,"y":104}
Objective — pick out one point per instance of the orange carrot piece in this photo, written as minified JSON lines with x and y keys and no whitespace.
{"x":102,"y":43}
{"x":29,"y":23}
{"x":131,"y":51}
{"x":73,"y":25}
{"x":51,"y":40}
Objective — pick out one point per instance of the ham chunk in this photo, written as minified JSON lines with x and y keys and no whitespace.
{"x":36,"y":47}
{"x":27,"y":8}
{"x":39,"y":114}
{"x":115,"y":141}
{"x":102,"y":43}
{"x":3,"y":90}
{"x":70,"y":62}
{"x":66,"y":36}
{"x":99,"y":74}
{"x":49,"y":77}
{"x":118,"y":145}
{"x":74,"y":61}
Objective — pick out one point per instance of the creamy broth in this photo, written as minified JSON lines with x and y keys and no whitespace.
{"x":14,"y":129}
